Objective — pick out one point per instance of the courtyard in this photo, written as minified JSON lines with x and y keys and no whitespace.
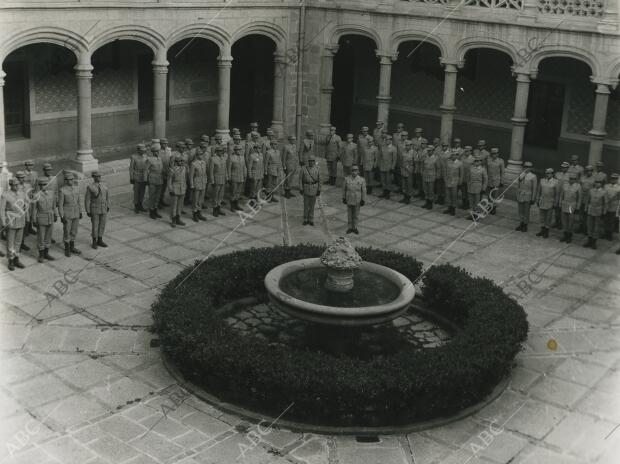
{"x":83,"y":380}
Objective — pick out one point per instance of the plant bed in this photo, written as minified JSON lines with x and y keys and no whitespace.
{"x":411,"y":385}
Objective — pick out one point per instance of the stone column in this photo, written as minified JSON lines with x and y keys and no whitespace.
{"x":327,"y":87}
{"x":224,"y":65}
{"x":519,"y":121}
{"x":385,"y":76}
{"x":279,"y":77}
{"x":160,"y":88}
{"x":85,"y":161}
{"x":597,"y":134}
{"x":2,"y":135}
{"x":447,"y":107}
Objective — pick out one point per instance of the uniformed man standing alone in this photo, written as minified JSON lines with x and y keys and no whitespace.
{"x":14,"y":213}
{"x":70,"y":212}
{"x":137,"y":165}
{"x":570,"y":199}
{"x":354,"y":196}
{"x":526,"y":194}
{"x":596,"y":205}
{"x":547,"y":199}
{"x":310,"y":185}
{"x":97,"y":204}
{"x":177,"y":185}
{"x":44,"y":213}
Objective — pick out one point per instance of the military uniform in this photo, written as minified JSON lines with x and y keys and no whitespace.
{"x":468,"y":160}
{"x":307,"y":148}
{"x":477,"y":182}
{"x":547,"y":199}
{"x":406,"y":173}
{"x":570,"y":199}
{"x":562,"y":178}
{"x":440,"y":186}
{"x":70,"y":212}
{"x":386,"y":163}
{"x":290,"y":163}
{"x":310,"y":185}
{"x":44,"y":213}
{"x":165,"y":155}
{"x":14,"y":214}
{"x":333,"y":148}
{"x":369,"y":162}
{"x":526,"y":194}
{"x":154,"y":173}
{"x":482,"y":152}
{"x":97,"y":205}
{"x":587,"y":182}
{"x":430,"y":170}
{"x":137,"y":177}
{"x":354,"y":196}
{"x":576,"y":169}
{"x":218,"y":176}
{"x":273,"y":170}
{"x":177,"y":186}
{"x":418,"y":155}
{"x":596,"y":205}
{"x":198,"y":181}
{"x":453,"y":178}
{"x":237,"y":173}
{"x":363,"y":142}
{"x":349,"y":157}
{"x":612,"y":194}
{"x":256,"y":172}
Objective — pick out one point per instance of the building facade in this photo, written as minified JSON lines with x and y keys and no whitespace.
{"x":88,"y":79}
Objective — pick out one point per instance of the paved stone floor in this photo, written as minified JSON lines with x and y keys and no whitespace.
{"x":81,"y":383}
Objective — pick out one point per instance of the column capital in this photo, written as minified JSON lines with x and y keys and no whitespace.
{"x":603,"y":85}
{"x":383,"y":98}
{"x":386,"y":57}
{"x":83,"y":71}
{"x":519,"y":121}
{"x":224,"y":61}
{"x":451,"y":65}
{"x":331,"y":49}
{"x":597,"y":134}
{"x":279,"y":57}
{"x":521,"y":75}
{"x":159,"y":67}
{"x":2,"y":76}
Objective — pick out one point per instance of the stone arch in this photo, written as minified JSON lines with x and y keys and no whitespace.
{"x":400,"y":37}
{"x":214,"y":34}
{"x":53,"y":35}
{"x":555,"y":51}
{"x":465,"y":45}
{"x":273,"y":31}
{"x":145,"y":35}
{"x":355,"y":29}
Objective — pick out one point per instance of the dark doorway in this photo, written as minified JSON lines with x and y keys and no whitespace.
{"x":251,"y":85}
{"x":145,"y":88}
{"x":16,"y":101}
{"x":544,"y":114}
{"x":355,"y":58}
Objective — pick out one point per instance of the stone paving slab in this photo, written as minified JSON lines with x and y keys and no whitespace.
{"x":84,"y":384}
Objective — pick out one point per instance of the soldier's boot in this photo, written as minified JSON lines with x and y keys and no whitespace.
{"x":237,"y":207}
{"x":569,"y":237}
{"x":546,"y":234}
{"x":215,"y":211}
{"x":541,"y":233}
{"x":179,"y":222}
{"x":524,"y":228}
{"x":67,"y":250}
{"x":195,"y":216}
{"x":152,"y":214}
{"x":142,"y":209}
{"x":74,"y":250}
{"x":46,"y":255}
{"x":448,"y":210}
{"x":33,"y":231}
{"x":220,"y":212}
{"x":11,"y":264}
{"x":24,"y":247}
{"x":40,"y":258}
{"x":564,"y":237}
{"x":101,"y":243}
{"x":136,"y":209}
{"x":201,"y":217}
{"x":593,"y":245}
{"x":407,"y":199}
{"x":173,"y":221}
{"x":453,"y":211}
{"x":519,"y":227}
{"x":403,"y":199}
{"x":387,"y":194}
{"x":19,"y":264}
{"x":94,"y":244}
{"x":156,"y":214}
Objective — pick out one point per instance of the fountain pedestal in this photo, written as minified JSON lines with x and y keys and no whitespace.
{"x":341,"y":260}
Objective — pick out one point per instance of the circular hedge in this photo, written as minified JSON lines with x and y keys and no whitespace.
{"x":411,"y":385}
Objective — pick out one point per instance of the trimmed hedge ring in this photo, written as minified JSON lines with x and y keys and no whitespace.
{"x":412,"y":385}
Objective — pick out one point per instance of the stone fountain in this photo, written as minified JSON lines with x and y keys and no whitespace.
{"x":339,"y":289}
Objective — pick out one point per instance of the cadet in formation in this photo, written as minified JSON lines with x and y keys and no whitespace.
{"x":354,"y":196}
{"x":273,"y":169}
{"x":165,"y":155}
{"x":562,"y":178}
{"x":137,"y":166}
{"x":430,"y":166}
{"x":290,"y":164}
{"x":154,"y":173}
{"x":177,"y":185}
{"x":14,"y":214}
{"x":218,"y":176}
{"x":612,"y":194}
{"x":97,"y":205}
{"x":453,"y":177}
{"x":587,"y":182}
{"x":30,"y":178}
{"x":596,"y":204}
{"x":406,"y":172}
{"x":369,"y":163}
{"x":477,"y":183}
{"x":333,"y":147}
{"x":310,"y":186}
{"x":198,"y":182}
{"x":307,"y":148}
{"x":495,"y":171}
{"x":44,"y":214}
{"x":237,"y":173}
{"x":570,"y":199}
{"x":526,"y":195}
{"x":256,"y":171}
{"x":349,"y":155}
{"x":70,"y":212}
{"x":386,"y":163}
{"x":547,"y":199}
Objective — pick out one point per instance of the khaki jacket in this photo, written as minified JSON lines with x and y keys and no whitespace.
{"x":69,"y":202}
{"x":526,"y":187}
{"x":177,"y":180}
{"x":310,"y":180}
{"x":44,"y":207}
{"x":478,"y":179}
{"x":137,"y":168}
{"x":548,"y":193}
{"x":570,"y":198}
{"x":453,"y":173}
{"x":597,"y":202}
{"x":237,"y":170}
{"x":198,"y":175}
{"x":154,"y":170}
{"x":354,"y":190}
{"x":97,"y":199}
{"x":14,"y":211}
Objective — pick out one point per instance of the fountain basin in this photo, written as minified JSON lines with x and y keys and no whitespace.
{"x":338,"y":315}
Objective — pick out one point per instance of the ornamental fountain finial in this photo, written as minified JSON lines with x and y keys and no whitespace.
{"x":341,"y":260}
